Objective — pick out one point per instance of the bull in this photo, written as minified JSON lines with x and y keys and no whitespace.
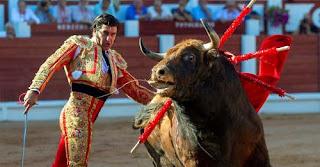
{"x":212,"y":122}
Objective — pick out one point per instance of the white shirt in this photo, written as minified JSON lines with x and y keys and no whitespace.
{"x":165,"y":14}
{"x":226,"y":15}
{"x":62,"y":16}
{"x":28,"y":16}
{"x":79,"y":15}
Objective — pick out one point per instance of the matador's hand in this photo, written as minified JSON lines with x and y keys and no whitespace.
{"x":30,"y":98}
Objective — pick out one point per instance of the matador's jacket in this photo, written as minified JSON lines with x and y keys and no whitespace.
{"x":92,"y":74}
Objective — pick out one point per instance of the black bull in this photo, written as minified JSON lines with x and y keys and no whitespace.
{"x":212,"y":122}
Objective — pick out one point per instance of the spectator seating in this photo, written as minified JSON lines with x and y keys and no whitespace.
{"x":2,"y":18}
{"x":121,"y":14}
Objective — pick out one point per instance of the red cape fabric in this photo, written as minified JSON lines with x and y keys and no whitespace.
{"x":270,"y":68}
{"x":61,"y":156}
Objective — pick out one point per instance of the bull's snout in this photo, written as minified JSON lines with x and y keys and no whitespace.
{"x":162,"y":71}
{"x":162,"y":74}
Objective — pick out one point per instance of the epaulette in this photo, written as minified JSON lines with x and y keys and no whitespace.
{"x":82,"y":41}
{"x":118,"y":60}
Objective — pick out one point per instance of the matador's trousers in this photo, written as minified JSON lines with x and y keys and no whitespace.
{"x":76,"y":121}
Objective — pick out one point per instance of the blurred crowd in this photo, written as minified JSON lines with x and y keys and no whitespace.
{"x":61,"y":12}
{"x":46,"y":13}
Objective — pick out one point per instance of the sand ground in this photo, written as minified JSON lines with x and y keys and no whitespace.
{"x":292,"y":140}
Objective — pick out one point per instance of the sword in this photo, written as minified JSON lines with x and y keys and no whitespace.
{"x":25,"y":113}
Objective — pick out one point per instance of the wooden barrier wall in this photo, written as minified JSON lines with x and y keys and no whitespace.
{"x":146,"y":28}
{"x":21,"y":58}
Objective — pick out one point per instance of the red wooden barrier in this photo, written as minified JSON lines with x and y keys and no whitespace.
{"x":182,"y":28}
{"x":21,"y":58}
{"x":65,"y":29}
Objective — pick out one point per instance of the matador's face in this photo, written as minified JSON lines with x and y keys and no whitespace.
{"x":105,"y":36}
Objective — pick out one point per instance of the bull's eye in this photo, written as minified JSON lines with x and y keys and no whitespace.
{"x":188,"y":58}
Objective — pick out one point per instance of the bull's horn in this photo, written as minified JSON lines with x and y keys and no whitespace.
{"x":147,"y":52}
{"x":214,"y":37}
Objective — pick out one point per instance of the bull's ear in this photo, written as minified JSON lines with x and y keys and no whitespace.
{"x":210,"y":57}
{"x":214,"y":37}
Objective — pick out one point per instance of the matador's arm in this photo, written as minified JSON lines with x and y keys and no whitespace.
{"x":53,"y":63}
{"x":133,"y":89}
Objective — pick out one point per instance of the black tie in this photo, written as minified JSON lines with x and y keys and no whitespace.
{"x":107,"y":61}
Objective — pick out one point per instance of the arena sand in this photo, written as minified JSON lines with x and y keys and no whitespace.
{"x":292,"y":140}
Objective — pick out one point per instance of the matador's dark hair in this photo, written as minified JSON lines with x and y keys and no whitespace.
{"x":104,"y":19}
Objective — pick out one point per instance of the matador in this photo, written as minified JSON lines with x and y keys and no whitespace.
{"x":93,"y":70}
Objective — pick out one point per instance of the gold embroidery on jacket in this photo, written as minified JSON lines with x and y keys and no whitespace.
{"x":53,"y":64}
{"x":87,"y":63}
